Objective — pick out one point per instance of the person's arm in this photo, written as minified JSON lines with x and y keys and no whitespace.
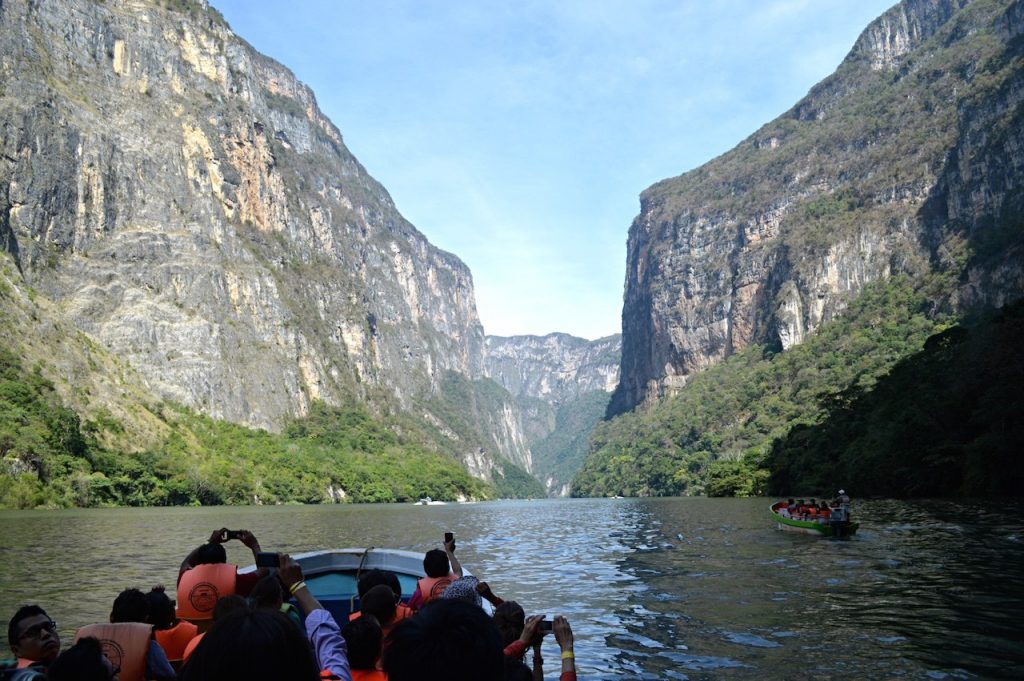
{"x":449,"y":548}
{"x":157,"y":665}
{"x":563,"y":634}
{"x":538,"y":661}
{"x":416,"y":602}
{"x":321,"y":628}
{"x":218,"y":537}
{"x":484,"y":589}
{"x":518,"y":647}
{"x":249,"y":539}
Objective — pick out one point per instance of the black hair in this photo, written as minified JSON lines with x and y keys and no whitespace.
{"x":83,"y":661}
{"x":379,"y":602}
{"x":252,"y":645}
{"x":161,"y":608}
{"x":510,"y":619}
{"x":516,"y":670}
{"x":210,"y":554}
{"x":447,"y":640}
{"x":268,"y":593}
{"x":374,"y":577}
{"x":435,"y":563}
{"x":24,"y":612}
{"x":364,"y":637}
{"x":131,"y":605}
{"x":227,"y":605}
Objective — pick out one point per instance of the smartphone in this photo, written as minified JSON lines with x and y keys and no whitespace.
{"x":448,"y":537}
{"x":268,"y":560}
{"x":545,"y":625}
{"x":233,"y":534}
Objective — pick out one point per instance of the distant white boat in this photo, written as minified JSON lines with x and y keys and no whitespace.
{"x":427,"y":501}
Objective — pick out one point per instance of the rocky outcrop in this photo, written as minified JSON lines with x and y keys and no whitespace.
{"x":183,"y":201}
{"x":907,"y":160}
{"x":561,"y":385}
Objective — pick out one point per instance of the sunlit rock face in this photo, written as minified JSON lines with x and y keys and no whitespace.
{"x":184,"y":201}
{"x":908,"y":160}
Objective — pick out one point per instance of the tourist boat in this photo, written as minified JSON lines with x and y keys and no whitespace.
{"x":829,"y":528}
{"x":332,"y":575}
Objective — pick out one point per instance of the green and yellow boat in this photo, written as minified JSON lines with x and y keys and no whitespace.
{"x":834,"y":527}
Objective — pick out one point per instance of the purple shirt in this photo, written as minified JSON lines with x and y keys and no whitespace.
{"x":330,"y":648}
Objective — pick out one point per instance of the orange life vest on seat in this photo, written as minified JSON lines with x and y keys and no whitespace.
{"x":190,"y":648}
{"x":200,"y":588}
{"x":431,"y":588}
{"x":174,"y":640}
{"x":125,"y":644}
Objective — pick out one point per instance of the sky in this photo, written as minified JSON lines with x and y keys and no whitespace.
{"x":518,"y":135}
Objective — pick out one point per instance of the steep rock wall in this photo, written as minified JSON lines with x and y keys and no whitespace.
{"x":907,"y":159}
{"x":184,"y":201}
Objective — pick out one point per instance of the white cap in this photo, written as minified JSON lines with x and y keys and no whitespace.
{"x":842,"y":491}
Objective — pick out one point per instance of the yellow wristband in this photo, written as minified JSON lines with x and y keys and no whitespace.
{"x":295,"y":587}
{"x":568,"y":655}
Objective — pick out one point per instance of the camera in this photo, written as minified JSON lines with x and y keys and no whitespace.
{"x":448,"y":537}
{"x":268,"y":560}
{"x":545,"y":625}
{"x":233,"y":534}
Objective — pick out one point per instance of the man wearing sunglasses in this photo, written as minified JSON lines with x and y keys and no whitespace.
{"x":33,"y":637}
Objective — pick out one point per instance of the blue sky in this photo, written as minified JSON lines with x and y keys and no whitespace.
{"x":518,"y":135}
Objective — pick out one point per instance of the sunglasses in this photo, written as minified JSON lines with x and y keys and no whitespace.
{"x":37,"y":630}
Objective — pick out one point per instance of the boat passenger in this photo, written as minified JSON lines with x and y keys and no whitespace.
{"x":510,"y":619}
{"x":83,"y":661}
{"x":128,"y":640}
{"x":205,"y":576}
{"x":464,"y":589}
{"x":224,"y":607}
{"x":269,"y":594}
{"x":365,"y":641}
{"x":172,"y":634}
{"x":374,"y":577}
{"x":33,"y":637}
{"x":484,"y":589}
{"x":442,"y":568}
{"x":253,"y":645}
{"x":447,"y":640}
{"x":379,"y":602}
{"x":322,"y":631}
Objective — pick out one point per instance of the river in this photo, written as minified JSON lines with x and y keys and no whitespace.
{"x":654,"y":588}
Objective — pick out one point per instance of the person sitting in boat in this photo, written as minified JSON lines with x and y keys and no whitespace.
{"x":788,"y":510}
{"x":365,"y":641}
{"x":172,"y":634}
{"x":254,"y":645}
{"x":224,"y":607}
{"x":824,"y":512}
{"x":447,"y":640}
{"x":511,"y":621}
{"x":376,"y":577}
{"x":269,"y":594}
{"x":128,"y":639}
{"x":464,"y":588}
{"x":442,"y":568}
{"x":33,"y":637}
{"x":83,"y":661}
{"x":206,"y":576}
{"x":379,"y":603}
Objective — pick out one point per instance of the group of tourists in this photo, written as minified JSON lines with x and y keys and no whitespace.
{"x":815,"y":511}
{"x":231,"y":625}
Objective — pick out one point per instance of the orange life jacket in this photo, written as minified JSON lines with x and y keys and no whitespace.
{"x":200,"y":588}
{"x":174,"y":640}
{"x":431,"y":588}
{"x":368,"y":675}
{"x":401,"y":612}
{"x":125,"y":644}
{"x":190,"y":648}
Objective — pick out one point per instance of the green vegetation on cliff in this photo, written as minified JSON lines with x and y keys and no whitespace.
{"x":945,"y":421}
{"x":51,"y":459}
{"x":715,"y":435}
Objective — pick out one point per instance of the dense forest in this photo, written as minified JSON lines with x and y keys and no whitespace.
{"x":54,"y":459}
{"x":946,"y":421}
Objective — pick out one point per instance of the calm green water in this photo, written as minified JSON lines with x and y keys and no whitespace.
{"x":654,"y":588}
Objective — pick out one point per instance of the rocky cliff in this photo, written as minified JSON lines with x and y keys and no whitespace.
{"x":561,"y":384}
{"x":909,"y":159}
{"x":181,"y":199}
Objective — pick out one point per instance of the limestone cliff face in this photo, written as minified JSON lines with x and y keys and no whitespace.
{"x":555,"y":367}
{"x":561,"y":385}
{"x":909,"y":159}
{"x":182,"y":200}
